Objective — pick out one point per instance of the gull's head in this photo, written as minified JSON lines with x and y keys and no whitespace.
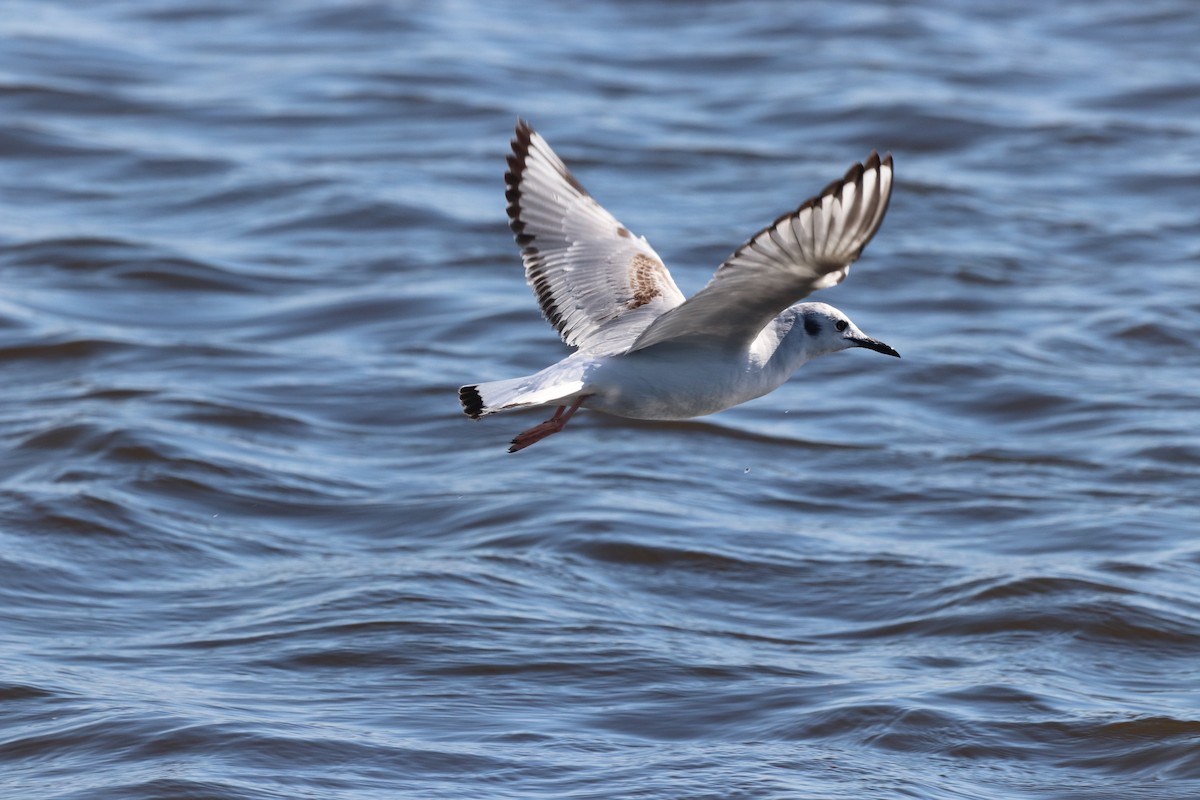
{"x":827,"y":330}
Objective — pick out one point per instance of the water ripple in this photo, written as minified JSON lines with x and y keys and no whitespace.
{"x":250,"y":548}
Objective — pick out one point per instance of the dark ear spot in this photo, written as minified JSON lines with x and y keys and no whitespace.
{"x":811,"y":326}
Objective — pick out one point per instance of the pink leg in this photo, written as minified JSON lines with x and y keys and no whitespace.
{"x":553,"y":425}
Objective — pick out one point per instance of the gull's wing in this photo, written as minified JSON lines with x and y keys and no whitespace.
{"x":597,"y":283}
{"x":809,"y":249}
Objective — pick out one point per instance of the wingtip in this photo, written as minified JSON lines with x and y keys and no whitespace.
{"x":516,"y":161}
{"x":874,"y":161}
{"x":853,"y":175}
{"x":521,"y":144}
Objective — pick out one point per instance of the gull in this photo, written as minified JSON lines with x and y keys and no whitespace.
{"x":642,"y":350}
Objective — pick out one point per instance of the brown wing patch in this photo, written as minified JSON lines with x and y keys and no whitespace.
{"x":645,"y":276}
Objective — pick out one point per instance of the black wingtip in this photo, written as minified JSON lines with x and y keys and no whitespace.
{"x":472,"y":401}
{"x":522,"y":138}
{"x":876,"y":161}
{"x":522,"y":141}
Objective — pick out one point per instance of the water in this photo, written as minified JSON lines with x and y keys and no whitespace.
{"x":249,"y":547}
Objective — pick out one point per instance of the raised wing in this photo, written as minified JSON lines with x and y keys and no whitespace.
{"x":597,"y":283}
{"x":809,"y":249}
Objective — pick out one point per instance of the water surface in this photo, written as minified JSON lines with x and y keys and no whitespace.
{"x":249,"y":547}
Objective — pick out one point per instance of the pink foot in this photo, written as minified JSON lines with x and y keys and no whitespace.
{"x":544,"y":429}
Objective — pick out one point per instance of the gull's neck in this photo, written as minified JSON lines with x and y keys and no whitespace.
{"x":783,"y":345}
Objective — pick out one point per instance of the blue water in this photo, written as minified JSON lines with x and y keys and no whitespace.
{"x":250,"y":547}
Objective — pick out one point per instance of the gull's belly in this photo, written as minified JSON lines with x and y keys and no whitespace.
{"x":654,"y":388}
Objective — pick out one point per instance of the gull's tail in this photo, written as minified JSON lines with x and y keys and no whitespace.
{"x":481,"y":399}
{"x":472,"y":402}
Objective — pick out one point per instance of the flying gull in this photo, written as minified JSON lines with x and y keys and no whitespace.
{"x":643,"y":350}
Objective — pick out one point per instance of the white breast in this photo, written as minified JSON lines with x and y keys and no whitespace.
{"x":676,"y":382}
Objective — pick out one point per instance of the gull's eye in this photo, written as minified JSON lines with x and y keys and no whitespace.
{"x":841,"y":325}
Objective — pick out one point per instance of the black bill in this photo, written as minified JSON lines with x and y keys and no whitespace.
{"x":877,"y":346}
